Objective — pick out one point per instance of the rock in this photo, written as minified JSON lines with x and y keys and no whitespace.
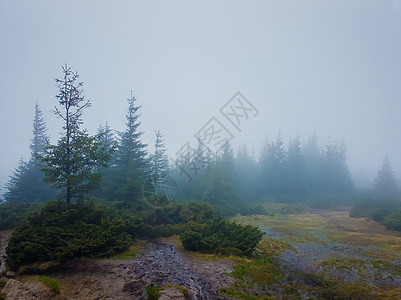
{"x":29,"y":290}
{"x":172,"y":293}
{"x":133,"y":286}
{"x":10,"y":274}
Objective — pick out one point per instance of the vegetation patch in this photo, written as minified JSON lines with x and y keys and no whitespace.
{"x":350,"y":258}
{"x":222,"y":236}
{"x":385,"y":211}
{"x":234,"y":293}
{"x":152,"y":292}
{"x":263,"y":269}
{"x":62,"y":231}
{"x":52,"y":284}
{"x":182,"y":289}
{"x":2,"y":283}
{"x":128,"y":254}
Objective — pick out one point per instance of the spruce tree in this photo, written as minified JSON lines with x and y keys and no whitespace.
{"x":218,"y":184}
{"x":15,"y":187}
{"x":73,"y":165}
{"x":107,"y":136}
{"x":385,"y":183}
{"x":132,"y":163}
{"x":335,"y":176}
{"x":159,"y":164}
{"x":39,"y":136}
{"x":26,"y":184}
{"x":272,"y":163}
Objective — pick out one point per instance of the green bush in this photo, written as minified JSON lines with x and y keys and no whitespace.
{"x":220,"y":234}
{"x":197,"y":212}
{"x":11,"y":213}
{"x":385,"y":211}
{"x":59,"y":232}
{"x":167,"y":230}
{"x":254,"y":210}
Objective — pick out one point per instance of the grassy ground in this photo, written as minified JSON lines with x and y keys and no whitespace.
{"x":320,"y":254}
{"x":52,"y":284}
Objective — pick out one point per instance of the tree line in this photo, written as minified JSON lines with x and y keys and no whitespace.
{"x":92,"y":195}
{"x":117,"y":166}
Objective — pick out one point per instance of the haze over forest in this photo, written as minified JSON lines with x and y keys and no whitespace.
{"x":333,"y":69}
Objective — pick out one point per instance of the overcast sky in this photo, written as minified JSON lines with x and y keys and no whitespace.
{"x":329,"y":67}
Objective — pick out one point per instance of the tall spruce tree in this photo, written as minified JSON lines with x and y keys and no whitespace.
{"x":26,"y":184}
{"x":132,"y":164}
{"x":39,"y":132}
{"x":39,"y":189}
{"x":385,"y":183}
{"x":15,"y":187}
{"x":73,"y":165}
{"x":159,"y":164}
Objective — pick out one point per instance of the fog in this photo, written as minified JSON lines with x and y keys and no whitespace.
{"x":330,"y":68}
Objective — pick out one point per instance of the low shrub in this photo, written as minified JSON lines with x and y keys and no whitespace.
{"x":11,"y":213}
{"x":221,"y":234}
{"x":385,"y":211}
{"x":254,"y":210}
{"x":60,"y":232}
{"x":167,"y":230}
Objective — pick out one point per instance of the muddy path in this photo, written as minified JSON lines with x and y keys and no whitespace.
{"x":158,"y":263}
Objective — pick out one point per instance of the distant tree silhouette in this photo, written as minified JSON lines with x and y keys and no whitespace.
{"x":385,"y":182}
{"x":295,"y":167}
{"x":335,"y":176}
{"x":159,"y":164}
{"x":272,"y":163}
{"x":26,"y":184}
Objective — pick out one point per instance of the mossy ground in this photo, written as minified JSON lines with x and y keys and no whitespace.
{"x":319,"y":254}
{"x":52,"y":284}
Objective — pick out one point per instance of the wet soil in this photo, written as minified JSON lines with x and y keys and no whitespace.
{"x":158,"y":263}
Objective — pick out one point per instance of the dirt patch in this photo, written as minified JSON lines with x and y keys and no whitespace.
{"x":158,"y":263}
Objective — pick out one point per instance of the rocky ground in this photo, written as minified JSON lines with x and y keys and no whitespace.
{"x":4,"y":237}
{"x":158,"y":263}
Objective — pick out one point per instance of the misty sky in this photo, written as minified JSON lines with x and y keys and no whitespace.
{"x":329,"y":67}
